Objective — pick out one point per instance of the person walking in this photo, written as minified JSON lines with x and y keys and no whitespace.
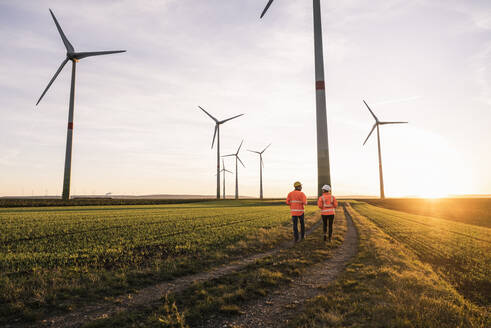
{"x":297,"y":200}
{"x":327,"y":203}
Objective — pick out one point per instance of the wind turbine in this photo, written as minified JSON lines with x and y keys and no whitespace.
{"x":74,"y":57}
{"x":261,"y":165}
{"x":323,"y":166}
{"x":237,"y":159}
{"x":217,"y":132}
{"x":224,"y":170}
{"x":376,"y":125}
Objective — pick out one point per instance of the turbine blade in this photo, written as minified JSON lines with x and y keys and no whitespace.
{"x":374,"y":126}
{"x":262,"y":162}
{"x":266,"y":9}
{"x":68,"y":45}
{"x":240,"y":147}
{"x":214,"y":136}
{"x":228,"y":155}
{"x":80,"y":55}
{"x":223,"y":163}
{"x":229,"y":171}
{"x":214,"y":119}
{"x":382,"y":123}
{"x":53,"y":79}
{"x":375,"y":117}
{"x":253,"y":151}
{"x":266,"y":148}
{"x":240,"y":161}
{"x":228,"y":119}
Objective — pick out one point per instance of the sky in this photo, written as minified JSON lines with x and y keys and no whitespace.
{"x":137,"y":128}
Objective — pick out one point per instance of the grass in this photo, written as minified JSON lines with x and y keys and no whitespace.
{"x":227,"y":296}
{"x":466,"y":210}
{"x":55,"y":259}
{"x":411,"y":270}
{"x":387,"y":285}
{"x":460,"y":253}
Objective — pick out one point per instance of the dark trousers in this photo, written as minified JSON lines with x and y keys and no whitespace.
{"x":295,"y":226}
{"x":325,"y":218}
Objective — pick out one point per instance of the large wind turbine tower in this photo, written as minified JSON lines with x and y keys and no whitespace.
{"x":74,"y":57}
{"x":376,"y":125}
{"x":323,"y":167}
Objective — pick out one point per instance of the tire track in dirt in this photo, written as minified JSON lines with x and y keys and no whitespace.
{"x":276,"y":309}
{"x":152,"y":294}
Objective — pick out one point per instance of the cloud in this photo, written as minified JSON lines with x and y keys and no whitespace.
{"x":398,"y":100}
{"x":482,"y":70}
{"x":137,"y":126}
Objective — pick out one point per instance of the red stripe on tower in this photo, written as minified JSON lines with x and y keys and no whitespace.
{"x":320,"y":85}
{"x":70,"y":126}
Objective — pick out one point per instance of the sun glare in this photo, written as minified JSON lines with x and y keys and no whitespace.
{"x":432,"y":194}
{"x":432,"y":173}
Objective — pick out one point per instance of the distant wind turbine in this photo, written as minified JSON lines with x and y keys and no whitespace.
{"x":323,"y":166}
{"x":217,"y":132}
{"x":261,"y":165}
{"x":237,"y":159}
{"x":224,"y":170}
{"x":376,"y":125}
{"x":74,"y":57}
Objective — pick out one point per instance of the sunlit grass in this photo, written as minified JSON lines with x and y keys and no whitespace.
{"x":460,"y":253}
{"x":387,"y":285}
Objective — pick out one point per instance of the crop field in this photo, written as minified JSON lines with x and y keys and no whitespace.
{"x":53,"y":259}
{"x":460,"y":253}
{"x":232,"y":294}
{"x":467,"y":210}
{"x":410,"y":270}
{"x":388,"y":285}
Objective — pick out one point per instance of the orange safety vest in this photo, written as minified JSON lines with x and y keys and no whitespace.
{"x":296,"y":199}
{"x":327,"y":203}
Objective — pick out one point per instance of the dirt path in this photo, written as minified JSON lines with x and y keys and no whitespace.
{"x":275,"y":310}
{"x":152,"y":294}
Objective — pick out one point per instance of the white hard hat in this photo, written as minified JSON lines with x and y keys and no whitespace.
{"x":326,"y":187}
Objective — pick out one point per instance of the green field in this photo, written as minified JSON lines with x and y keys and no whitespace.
{"x":410,"y":271}
{"x":56,"y":258}
{"x":461,"y":253}
{"x":394,"y":283}
{"x":466,"y":210}
{"x":229,"y":295}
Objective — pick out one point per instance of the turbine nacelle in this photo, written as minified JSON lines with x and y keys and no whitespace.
{"x":223,"y":167}
{"x":217,"y":123}
{"x":237,"y":154}
{"x":260,"y":153}
{"x":71,"y":54}
{"x":377,"y":122}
